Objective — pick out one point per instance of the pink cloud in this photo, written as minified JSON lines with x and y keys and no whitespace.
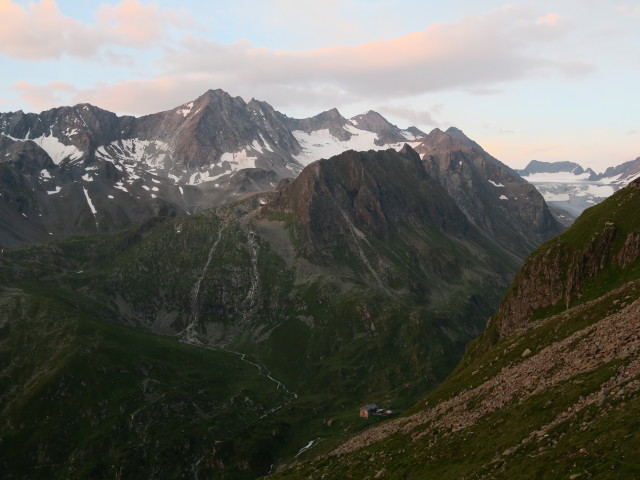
{"x":45,"y":96}
{"x":479,"y":53}
{"x":548,"y":19}
{"x":41,"y":31}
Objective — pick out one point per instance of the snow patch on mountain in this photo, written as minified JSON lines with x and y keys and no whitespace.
{"x":229,"y":162}
{"x":57,"y":150}
{"x":185,"y":110}
{"x":557,"y":177}
{"x":91,"y":206}
{"x":321,"y":144}
{"x":150,"y":152}
{"x":408,"y":135}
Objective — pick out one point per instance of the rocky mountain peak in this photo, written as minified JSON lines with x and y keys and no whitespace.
{"x":374,"y":122}
{"x":536,"y":166}
{"x":437,"y":140}
{"x":369,"y":192}
{"x":460,"y":136}
{"x":331,"y":120}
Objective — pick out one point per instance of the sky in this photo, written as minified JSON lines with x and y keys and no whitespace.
{"x":546,"y":80}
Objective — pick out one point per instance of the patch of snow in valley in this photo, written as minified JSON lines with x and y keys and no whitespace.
{"x":53,"y":192}
{"x":503,"y":197}
{"x":498,"y":185}
{"x":306,"y":447}
{"x":87,"y":178}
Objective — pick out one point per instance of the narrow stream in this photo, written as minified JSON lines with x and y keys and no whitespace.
{"x":189,"y":334}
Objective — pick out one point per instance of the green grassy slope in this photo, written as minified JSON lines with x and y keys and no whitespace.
{"x":553,"y":393}
{"x":82,"y":398}
{"x":360,"y":318}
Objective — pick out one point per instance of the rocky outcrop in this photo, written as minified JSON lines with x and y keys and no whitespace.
{"x":330,"y":120}
{"x":371,"y":192}
{"x":550,"y":385}
{"x":386,"y":132}
{"x":557,"y":274}
{"x":494,"y":198}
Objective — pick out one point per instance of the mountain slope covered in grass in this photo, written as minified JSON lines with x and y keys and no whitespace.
{"x":551,"y":389}
{"x":228,"y":340}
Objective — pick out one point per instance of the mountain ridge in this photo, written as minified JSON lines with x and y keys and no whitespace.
{"x":553,"y":393}
{"x":570,"y":189}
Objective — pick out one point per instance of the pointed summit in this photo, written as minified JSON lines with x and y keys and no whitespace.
{"x":374,"y":122}
{"x":330,"y":120}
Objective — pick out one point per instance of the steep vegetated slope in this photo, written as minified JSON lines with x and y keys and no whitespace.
{"x":550,"y":390}
{"x":359,"y":281}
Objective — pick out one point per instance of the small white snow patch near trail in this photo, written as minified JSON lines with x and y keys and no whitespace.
{"x":53,"y":192}
{"x":503,"y":197}
{"x":306,"y":447}
{"x":498,"y":185}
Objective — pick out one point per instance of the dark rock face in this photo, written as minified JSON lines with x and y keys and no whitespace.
{"x":536,"y":166}
{"x":562,"y":356}
{"x":494,"y":198}
{"x":372,"y":192}
{"x":624,"y":171}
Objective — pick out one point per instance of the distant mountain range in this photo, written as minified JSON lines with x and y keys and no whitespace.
{"x":81,"y":169}
{"x":259,"y":297}
{"x":569,"y":189}
{"x":246,"y":281}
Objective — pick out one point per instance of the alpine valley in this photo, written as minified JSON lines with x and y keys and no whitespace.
{"x":214,"y":291}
